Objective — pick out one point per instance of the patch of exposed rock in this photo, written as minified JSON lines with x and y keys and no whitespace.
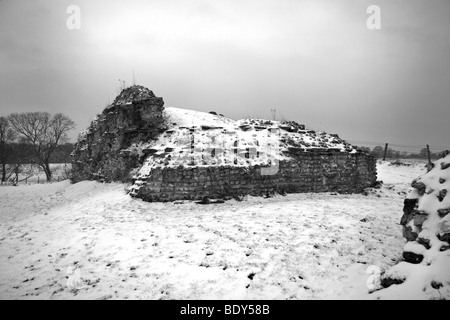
{"x":135,"y":115}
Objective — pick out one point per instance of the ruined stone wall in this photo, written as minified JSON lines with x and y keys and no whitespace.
{"x":118,"y":141}
{"x":308,"y":171}
{"x":425,"y":217}
{"x":426,"y":227}
{"x":98,"y":152}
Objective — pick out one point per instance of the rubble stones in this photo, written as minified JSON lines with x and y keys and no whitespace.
{"x":419,"y":218}
{"x":409,"y":234}
{"x":424,"y":242}
{"x":443,"y":212}
{"x":387,"y":282}
{"x":445,"y":165}
{"x":434,"y":238}
{"x":412,"y":257}
{"x":442,"y":194}
{"x":420,"y":186}
{"x":408,"y":210}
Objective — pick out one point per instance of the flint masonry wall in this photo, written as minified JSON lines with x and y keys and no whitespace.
{"x":104,"y":152}
{"x":98,"y":152}
{"x":426,"y":227}
{"x":415,"y":216}
{"x":309,"y":171}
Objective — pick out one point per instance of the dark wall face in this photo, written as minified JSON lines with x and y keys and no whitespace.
{"x":322,"y":171}
{"x":98,"y":153}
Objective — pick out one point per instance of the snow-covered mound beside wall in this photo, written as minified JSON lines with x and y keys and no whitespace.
{"x":199,"y":139}
{"x":425,"y":271}
{"x":178,"y":117}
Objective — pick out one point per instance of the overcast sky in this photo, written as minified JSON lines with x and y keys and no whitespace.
{"x":314,"y":61}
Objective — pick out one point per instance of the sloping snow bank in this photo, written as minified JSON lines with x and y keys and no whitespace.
{"x":178,"y":117}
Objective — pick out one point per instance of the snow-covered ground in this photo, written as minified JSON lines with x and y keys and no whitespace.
{"x":92,"y":241}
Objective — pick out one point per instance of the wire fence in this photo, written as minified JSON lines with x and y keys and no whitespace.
{"x":32,"y":174}
{"x":31,"y":180}
{"x":389,"y":150}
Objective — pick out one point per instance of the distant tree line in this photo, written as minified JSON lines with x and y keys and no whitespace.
{"x":23,"y":150}
{"x":378,"y":152}
{"x":34,"y":138}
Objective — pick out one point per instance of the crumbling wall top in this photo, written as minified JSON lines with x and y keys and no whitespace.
{"x":133,"y":94}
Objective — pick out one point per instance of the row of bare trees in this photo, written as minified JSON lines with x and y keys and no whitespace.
{"x":41,"y":130}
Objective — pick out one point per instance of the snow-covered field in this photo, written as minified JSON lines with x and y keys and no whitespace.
{"x":92,"y":241}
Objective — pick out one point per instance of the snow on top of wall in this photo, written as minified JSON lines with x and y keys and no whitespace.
{"x":178,"y":117}
{"x":133,"y":94}
{"x":436,"y":180}
{"x":197,"y":138}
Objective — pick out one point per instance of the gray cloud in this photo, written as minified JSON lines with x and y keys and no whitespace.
{"x":314,"y":61}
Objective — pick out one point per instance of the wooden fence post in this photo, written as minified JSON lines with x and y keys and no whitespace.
{"x":429,"y":154}
{"x":385,"y":151}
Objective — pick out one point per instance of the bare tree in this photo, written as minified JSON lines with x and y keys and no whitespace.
{"x":44,"y":131}
{"x":21,"y":156}
{"x":7,"y":137}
